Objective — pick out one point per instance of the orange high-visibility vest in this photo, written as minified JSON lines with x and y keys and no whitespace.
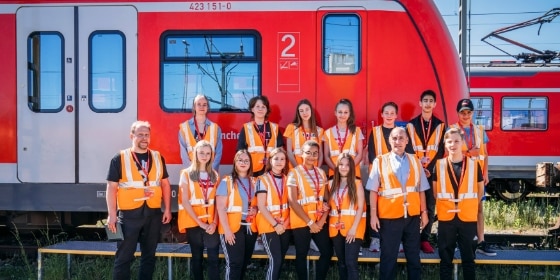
{"x":211,"y":136}
{"x":347,"y":215}
{"x":255,"y":146}
{"x":350,"y":146}
{"x":234,"y":206}
{"x":433,"y":142}
{"x":277,"y":207}
{"x":478,"y":142}
{"x":131,"y":188}
{"x":394,"y":200}
{"x":298,"y":138}
{"x":307,"y":198}
{"x":465,"y":205}
{"x":196,"y":198}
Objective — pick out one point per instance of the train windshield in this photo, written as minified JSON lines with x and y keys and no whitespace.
{"x":224,"y":67}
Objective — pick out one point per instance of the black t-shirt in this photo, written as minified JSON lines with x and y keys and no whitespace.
{"x":115,"y":170}
{"x":457,"y":169}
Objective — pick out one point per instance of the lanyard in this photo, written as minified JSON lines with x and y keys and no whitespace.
{"x":305,"y":134}
{"x":280,"y":193}
{"x":425,"y":134}
{"x":316,"y":183}
{"x":339,"y":200}
{"x":205,"y":185}
{"x":248,"y":191}
{"x":262,"y":134}
{"x":463,"y":166}
{"x":470,"y":137}
{"x":142,"y":166}
{"x":199,"y":135}
{"x":339,"y":140}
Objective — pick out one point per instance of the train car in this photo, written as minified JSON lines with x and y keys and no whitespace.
{"x":515,"y":103}
{"x":76,"y":74}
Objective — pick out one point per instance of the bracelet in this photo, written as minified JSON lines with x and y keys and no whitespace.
{"x":274,"y":226}
{"x":310,"y":223}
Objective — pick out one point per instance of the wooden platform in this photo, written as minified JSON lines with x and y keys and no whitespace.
{"x":178,"y":250}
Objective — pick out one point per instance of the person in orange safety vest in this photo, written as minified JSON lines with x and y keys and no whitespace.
{"x":397,"y":183}
{"x":237,"y":206}
{"x":137,"y":183}
{"x":347,"y":221}
{"x":303,"y":127}
{"x":307,"y":185}
{"x":197,"y":215}
{"x":259,"y":136}
{"x":273,"y":219}
{"x":458,"y":186}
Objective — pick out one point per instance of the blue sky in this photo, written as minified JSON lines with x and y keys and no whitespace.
{"x":489,"y":15}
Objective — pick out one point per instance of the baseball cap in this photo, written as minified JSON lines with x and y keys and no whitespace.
{"x":465,"y":104}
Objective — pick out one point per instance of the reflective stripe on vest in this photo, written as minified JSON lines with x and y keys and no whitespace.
{"x":306,"y":195}
{"x":211,"y":136}
{"x":466,"y":205}
{"x":392,"y":194}
{"x":379,"y":140}
{"x":432,"y":146}
{"x":130,"y":194}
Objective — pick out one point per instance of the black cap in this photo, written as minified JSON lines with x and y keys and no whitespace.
{"x":465,"y":104}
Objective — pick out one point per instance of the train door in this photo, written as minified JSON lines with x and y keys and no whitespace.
{"x":76,"y":74}
{"x":342,"y":54}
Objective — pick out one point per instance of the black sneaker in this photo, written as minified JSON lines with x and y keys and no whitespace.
{"x":484,"y":248}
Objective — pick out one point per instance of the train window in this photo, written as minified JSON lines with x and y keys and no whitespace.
{"x":482,"y":112}
{"x":224,"y":66}
{"x":529,"y":113}
{"x":107,"y":62}
{"x":341,"y":44}
{"x":45,"y":72}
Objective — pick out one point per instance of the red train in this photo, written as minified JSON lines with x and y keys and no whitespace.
{"x":76,"y":74}
{"x":515,"y":102}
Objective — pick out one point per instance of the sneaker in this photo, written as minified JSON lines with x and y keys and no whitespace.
{"x":360,"y":253}
{"x":401,"y":249}
{"x":426,"y":247}
{"x":484,"y":248}
{"x":374,"y":245}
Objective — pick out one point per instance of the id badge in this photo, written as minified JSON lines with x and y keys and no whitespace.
{"x":425,"y":161}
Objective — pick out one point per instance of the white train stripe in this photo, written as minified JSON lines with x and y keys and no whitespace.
{"x":231,"y":6}
{"x":527,"y":90}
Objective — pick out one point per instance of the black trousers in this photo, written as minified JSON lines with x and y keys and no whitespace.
{"x":238,"y":256}
{"x":431,"y":207}
{"x":451,"y":233}
{"x":276,"y":247}
{"x":393,"y":232}
{"x":347,"y":254}
{"x":302,"y":237}
{"x":198,"y":239}
{"x":138,"y":225}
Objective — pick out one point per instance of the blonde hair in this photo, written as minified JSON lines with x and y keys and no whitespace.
{"x":196,"y":98}
{"x":137,"y":124}
{"x":454,"y":130}
{"x":194,"y":169}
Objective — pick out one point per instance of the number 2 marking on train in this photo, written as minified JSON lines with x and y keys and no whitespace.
{"x":285,"y":51}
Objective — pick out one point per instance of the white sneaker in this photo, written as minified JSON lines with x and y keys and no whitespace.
{"x":374,"y":246}
{"x":313,"y":246}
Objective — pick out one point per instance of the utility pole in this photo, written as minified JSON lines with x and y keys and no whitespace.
{"x":463,"y":30}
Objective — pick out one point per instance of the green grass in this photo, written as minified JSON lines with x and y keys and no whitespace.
{"x":524,"y":215}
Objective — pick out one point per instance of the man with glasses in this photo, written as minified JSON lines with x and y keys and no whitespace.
{"x":137,"y":182}
{"x":475,"y":147}
{"x":397,"y":183}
